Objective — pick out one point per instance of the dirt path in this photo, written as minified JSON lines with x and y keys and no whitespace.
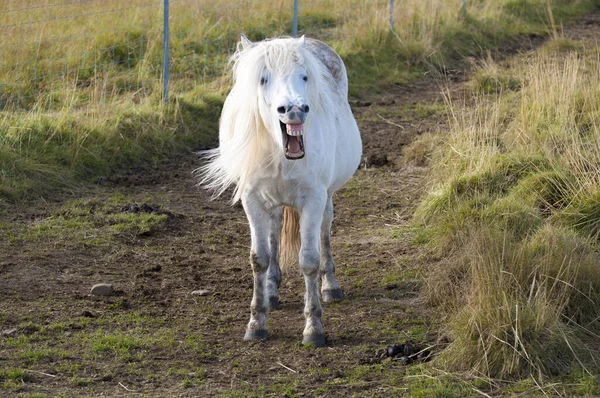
{"x":157,"y":339}
{"x":47,"y":274}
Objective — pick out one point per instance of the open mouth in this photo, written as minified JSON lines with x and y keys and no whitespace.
{"x":293,"y":140}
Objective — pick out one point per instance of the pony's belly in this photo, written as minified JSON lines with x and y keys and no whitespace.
{"x":348,"y":160}
{"x":274,"y":192}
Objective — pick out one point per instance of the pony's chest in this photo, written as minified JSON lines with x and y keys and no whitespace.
{"x":277,"y":191}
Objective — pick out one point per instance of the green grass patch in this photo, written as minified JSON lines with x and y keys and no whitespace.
{"x":40,"y":152}
{"x":96,"y":222}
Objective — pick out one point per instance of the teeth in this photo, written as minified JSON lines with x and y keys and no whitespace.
{"x":294,"y":129}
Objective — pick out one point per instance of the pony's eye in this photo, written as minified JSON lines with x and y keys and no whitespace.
{"x":263,"y":81}
{"x":305,"y":78}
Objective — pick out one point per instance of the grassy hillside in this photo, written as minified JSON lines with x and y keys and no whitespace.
{"x":514,"y":218}
{"x":81,"y":95}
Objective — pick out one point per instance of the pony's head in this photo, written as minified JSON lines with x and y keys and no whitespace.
{"x":280,"y":88}
{"x":286,"y":78}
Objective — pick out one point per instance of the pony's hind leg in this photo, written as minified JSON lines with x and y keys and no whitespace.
{"x":274,"y":273}
{"x":330,"y":290}
{"x":258,"y":218}
{"x":310,"y":221}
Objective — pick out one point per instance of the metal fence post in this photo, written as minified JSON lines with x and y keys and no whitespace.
{"x":166,"y":51}
{"x":464,"y":8}
{"x":392,"y":15}
{"x":295,"y":24}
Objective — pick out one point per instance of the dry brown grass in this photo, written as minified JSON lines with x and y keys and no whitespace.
{"x":515,"y":217}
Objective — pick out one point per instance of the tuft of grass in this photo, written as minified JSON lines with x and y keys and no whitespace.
{"x":563,"y":45}
{"x":514,"y":217}
{"x":491,"y":78}
{"x":138,"y":224}
{"x":117,"y":343}
{"x":18,"y":375}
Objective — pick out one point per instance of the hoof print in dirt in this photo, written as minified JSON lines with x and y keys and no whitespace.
{"x":102,"y":289}
{"x":376,"y":160}
{"x":407,"y":353}
{"x":152,"y":272}
{"x":88,"y":314}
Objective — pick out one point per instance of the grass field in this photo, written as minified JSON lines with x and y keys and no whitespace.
{"x":489,"y":255}
{"x":81,"y":88}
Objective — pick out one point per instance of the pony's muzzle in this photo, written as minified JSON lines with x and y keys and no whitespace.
{"x":291,"y":119}
{"x":293,"y":114}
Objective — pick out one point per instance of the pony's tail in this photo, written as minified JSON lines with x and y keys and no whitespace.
{"x":289,"y":245}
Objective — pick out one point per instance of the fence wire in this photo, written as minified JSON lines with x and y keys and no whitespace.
{"x":65,"y":54}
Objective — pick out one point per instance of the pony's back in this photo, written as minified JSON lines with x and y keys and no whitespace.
{"x":332,"y":62}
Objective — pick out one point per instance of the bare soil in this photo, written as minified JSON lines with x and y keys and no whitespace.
{"x":154,"y":338}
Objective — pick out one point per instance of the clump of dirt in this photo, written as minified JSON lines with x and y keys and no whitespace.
{"x":407,"y":353}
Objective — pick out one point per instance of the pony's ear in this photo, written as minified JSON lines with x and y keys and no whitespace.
{"x":245,"y":42}
{"x":302,"y":40}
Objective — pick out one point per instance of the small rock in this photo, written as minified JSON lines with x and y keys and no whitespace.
{"x":9,"y":332}
{"x":394,"y":350}
{"x":201,"y":292}
{"x":102,"y":289}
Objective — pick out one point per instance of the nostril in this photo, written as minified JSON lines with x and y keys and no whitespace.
{"x":281,"y":109}
{"x":305,"y":108}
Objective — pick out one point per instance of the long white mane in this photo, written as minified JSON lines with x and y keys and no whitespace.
{"x":245,"y":144}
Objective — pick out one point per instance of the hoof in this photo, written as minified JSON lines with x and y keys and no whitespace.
{"x":274,"y":302}
{"x":332,"y":295}
{"x":316,"y":339}
{"x":255,"y":335}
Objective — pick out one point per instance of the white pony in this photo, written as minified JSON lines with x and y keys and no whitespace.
{"x":287,"y":141}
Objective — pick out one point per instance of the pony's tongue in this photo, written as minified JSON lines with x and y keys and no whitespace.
{"x":293,"y":144}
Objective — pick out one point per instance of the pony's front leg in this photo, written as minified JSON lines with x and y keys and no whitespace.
{"x":274,"y":273}
{"x":329,"y":287}
{"x":311,"y":217}
{"x":258,"y":218}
